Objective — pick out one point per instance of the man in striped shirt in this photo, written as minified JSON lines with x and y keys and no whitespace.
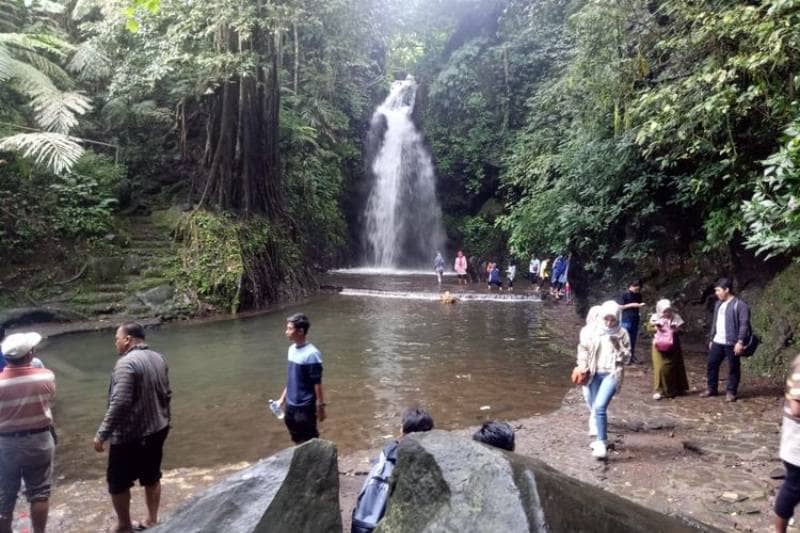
{"x":136,"y":423}
{"x":26,"y":443}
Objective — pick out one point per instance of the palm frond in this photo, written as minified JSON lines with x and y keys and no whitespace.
{"x":56,"y":151}
{"x":6,"y":64}
{"x":58,"y":111}
{"x":36,"y":42}
{"x":90,"y":62}
{"x":10,"y":18}
{"x":47,"y":7}
{"x":49,"y":68}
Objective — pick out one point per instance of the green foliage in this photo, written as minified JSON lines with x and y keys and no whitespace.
{"x":773,"y":213}
{"x":38,"y":209}
{"x":482,"y":238}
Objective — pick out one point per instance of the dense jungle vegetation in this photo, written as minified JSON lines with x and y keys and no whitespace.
{"x":625,"y":132}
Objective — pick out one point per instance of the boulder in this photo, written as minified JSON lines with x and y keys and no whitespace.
{"x":443,"y":482}
{"x":294,"y":491}
{"x":157,"y":296}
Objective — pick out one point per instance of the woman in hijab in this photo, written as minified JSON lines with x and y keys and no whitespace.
{"x":669,"y":372}
{"x":602,"y":352}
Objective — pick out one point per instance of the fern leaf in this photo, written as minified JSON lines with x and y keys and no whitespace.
{"x":89,"y":62}
{"x":56,"y":151}
{"x":58,"y":111}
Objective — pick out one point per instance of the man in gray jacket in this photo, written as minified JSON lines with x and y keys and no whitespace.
{"x":136,"y":424}
{"x":730,"y":331}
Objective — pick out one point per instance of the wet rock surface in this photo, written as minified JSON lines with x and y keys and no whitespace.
{"x":295,"y":490}
{"x":446,"y":482}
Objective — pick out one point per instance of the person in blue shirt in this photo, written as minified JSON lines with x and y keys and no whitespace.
{"x":302,"y":398}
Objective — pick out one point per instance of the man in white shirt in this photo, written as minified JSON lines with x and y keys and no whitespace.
{"x":730,"y":329}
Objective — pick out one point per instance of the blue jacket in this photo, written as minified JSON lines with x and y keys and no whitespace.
{"x":737,"y":321}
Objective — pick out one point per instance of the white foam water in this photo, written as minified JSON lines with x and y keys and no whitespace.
{"x":436,"y":296}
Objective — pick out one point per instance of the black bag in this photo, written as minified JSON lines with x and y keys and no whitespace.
{"x":752,"y":341}
{"x":751,"y":345}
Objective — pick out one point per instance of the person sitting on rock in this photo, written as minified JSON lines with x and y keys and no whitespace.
{"x":497,"y":434}
{"x":374,"y":495}
{"x":448,"y":298}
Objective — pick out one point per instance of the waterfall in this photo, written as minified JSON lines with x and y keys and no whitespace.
{"x":403,"y":217}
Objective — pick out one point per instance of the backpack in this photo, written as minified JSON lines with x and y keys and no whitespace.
{"x":371,"y":504}
{"x":752,"y":340}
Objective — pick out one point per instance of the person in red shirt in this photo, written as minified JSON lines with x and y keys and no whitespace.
{"x":26,"y":440}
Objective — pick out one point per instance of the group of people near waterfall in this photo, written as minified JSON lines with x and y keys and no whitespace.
{"x":489,"y":271}
{"x":607,"y":344}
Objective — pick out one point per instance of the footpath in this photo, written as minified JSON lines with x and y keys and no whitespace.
{"x":702,"y":458}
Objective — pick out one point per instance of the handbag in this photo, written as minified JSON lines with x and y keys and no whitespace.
{"x":664,"y":339}
{"x":751,"y":345}
{"x":580,"y":377}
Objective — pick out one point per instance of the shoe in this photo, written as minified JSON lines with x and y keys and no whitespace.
{"x":730,"y":397}
{"x":657,"y":396}
{"x":599,"y":450}
{"x":707,"y":394}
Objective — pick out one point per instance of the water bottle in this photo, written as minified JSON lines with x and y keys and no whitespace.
{"x":276,"y":409}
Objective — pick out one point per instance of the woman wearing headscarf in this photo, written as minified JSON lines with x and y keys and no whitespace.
{"x":602,"y":352}
{"x":669,"y":371}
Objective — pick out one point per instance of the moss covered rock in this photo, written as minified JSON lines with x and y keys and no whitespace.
{"x":776,"y":318}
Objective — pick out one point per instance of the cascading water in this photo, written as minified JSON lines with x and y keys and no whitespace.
{"x":403,"y":217}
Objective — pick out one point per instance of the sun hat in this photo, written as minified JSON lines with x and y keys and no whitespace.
{"x":18,"y":345}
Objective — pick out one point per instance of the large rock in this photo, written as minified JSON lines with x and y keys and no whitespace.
{"x":157,"y":296}
{"x":294,"y":491}
{"x":25,"y":316}
{"x":444,"y":482}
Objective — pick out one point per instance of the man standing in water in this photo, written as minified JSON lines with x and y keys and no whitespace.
{"x":136,"y":422}
{"x":303,"y":397}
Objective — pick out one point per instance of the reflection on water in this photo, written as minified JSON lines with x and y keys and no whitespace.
{"x":380,"y":355}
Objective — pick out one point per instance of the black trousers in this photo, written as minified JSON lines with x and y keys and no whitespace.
{"x":301,"y":422}
{"x":716,"y":355}
{"x":789,"y":495}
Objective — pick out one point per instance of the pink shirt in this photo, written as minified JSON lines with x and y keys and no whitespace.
{"x":25,"y":396}
{"x":461,"y":265}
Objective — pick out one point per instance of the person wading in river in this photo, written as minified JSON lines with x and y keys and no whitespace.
{"x":302,"y":397}
{"x":136,"y":423}
{"x":26,"y":440}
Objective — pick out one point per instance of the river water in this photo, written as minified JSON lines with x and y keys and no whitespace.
{"x":466,"y":362}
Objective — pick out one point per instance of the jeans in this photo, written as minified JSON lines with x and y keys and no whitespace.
{"x":598,"y":394}
{"x":633,"y":331}
{"x":716,"y":354}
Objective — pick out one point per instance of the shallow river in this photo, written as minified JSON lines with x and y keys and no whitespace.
{"x":466,"y":362}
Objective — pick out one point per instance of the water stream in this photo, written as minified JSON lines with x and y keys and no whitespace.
{"x":380,"y":355}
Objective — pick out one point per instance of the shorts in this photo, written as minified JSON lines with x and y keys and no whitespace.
{"x":139,"y":459}
{"x":28,"y":458}
{"x":301,"y":422}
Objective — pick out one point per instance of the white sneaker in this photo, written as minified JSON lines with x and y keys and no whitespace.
{"x":599,"y":450}
{"x":657,"y":396}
